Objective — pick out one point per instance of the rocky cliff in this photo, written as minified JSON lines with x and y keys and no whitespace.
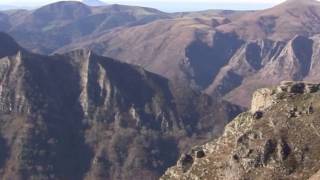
{"x":83,"y":116}
{"x":278,"y":139}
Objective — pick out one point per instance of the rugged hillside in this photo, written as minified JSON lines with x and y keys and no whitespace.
{"x":223,"y":53}
{"x":170,"y":47}
{"x":83,"y":116}
{"x":280,"y":23}
{"x":263,"y":63}
{"x":230,"y":14}
{"x":220,"y":53}
{"x":278,"y":139}
{"x":55,"y":25}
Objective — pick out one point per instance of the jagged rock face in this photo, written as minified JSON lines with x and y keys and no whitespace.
{"x":217,"y":63}
{"x":274,"y":146}
{"x":83,"y":116}
{"x":278,"y":61}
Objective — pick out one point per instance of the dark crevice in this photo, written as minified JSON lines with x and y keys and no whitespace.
{"x":206,"y":60}
{"x":303,"y":49}
{"x":253,"y":55}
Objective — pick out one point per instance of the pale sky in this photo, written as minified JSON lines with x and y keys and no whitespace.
{"x":168,"y":5}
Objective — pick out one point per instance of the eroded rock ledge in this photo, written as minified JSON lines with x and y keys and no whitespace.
{"x":266,"y":97}
{"x":277,"y":139}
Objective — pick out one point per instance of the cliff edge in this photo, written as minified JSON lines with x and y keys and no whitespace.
{"x":279,"y":138}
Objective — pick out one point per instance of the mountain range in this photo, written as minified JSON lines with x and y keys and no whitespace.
{"x":121,"y":92}
{"x":64,"y":22}
{"x":225,"y":53}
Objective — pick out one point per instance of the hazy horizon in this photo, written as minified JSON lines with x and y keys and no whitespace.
{"x":164,"y":5}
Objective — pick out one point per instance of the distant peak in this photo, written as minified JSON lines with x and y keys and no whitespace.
{"x":8,"y":45}
{"x":61,"y":5}
{"x":301,"y":1}
{"x":64,"y":3}
{"x":93,"y":2}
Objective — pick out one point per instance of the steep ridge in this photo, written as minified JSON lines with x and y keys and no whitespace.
{"x":221,"y":54}
{"x":171,"y":48}
{"x":278,"y":139}
{"x":267,"y":63}
{"x":295,"y":60}
{"x":83,"y":116}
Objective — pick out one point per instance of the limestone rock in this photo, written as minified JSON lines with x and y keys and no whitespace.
{"x":262,"y":99}
{"x":274,"y":147}
{"x":266,"y":97}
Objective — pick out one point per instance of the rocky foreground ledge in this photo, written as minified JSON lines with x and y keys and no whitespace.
{"x":279,"y":138}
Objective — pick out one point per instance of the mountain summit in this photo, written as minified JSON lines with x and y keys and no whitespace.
{"x":93,"y":2}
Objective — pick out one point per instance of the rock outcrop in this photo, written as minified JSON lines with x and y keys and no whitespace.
{"x":262,"y":99}
{"x":266,"y":97}
{"x":273,"y":146}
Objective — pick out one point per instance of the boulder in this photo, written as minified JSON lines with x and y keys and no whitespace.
{"x":258,"y":115}
{"x":262,"y":99}
{"x":199,"y":154}
{"x":185,"y":162}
